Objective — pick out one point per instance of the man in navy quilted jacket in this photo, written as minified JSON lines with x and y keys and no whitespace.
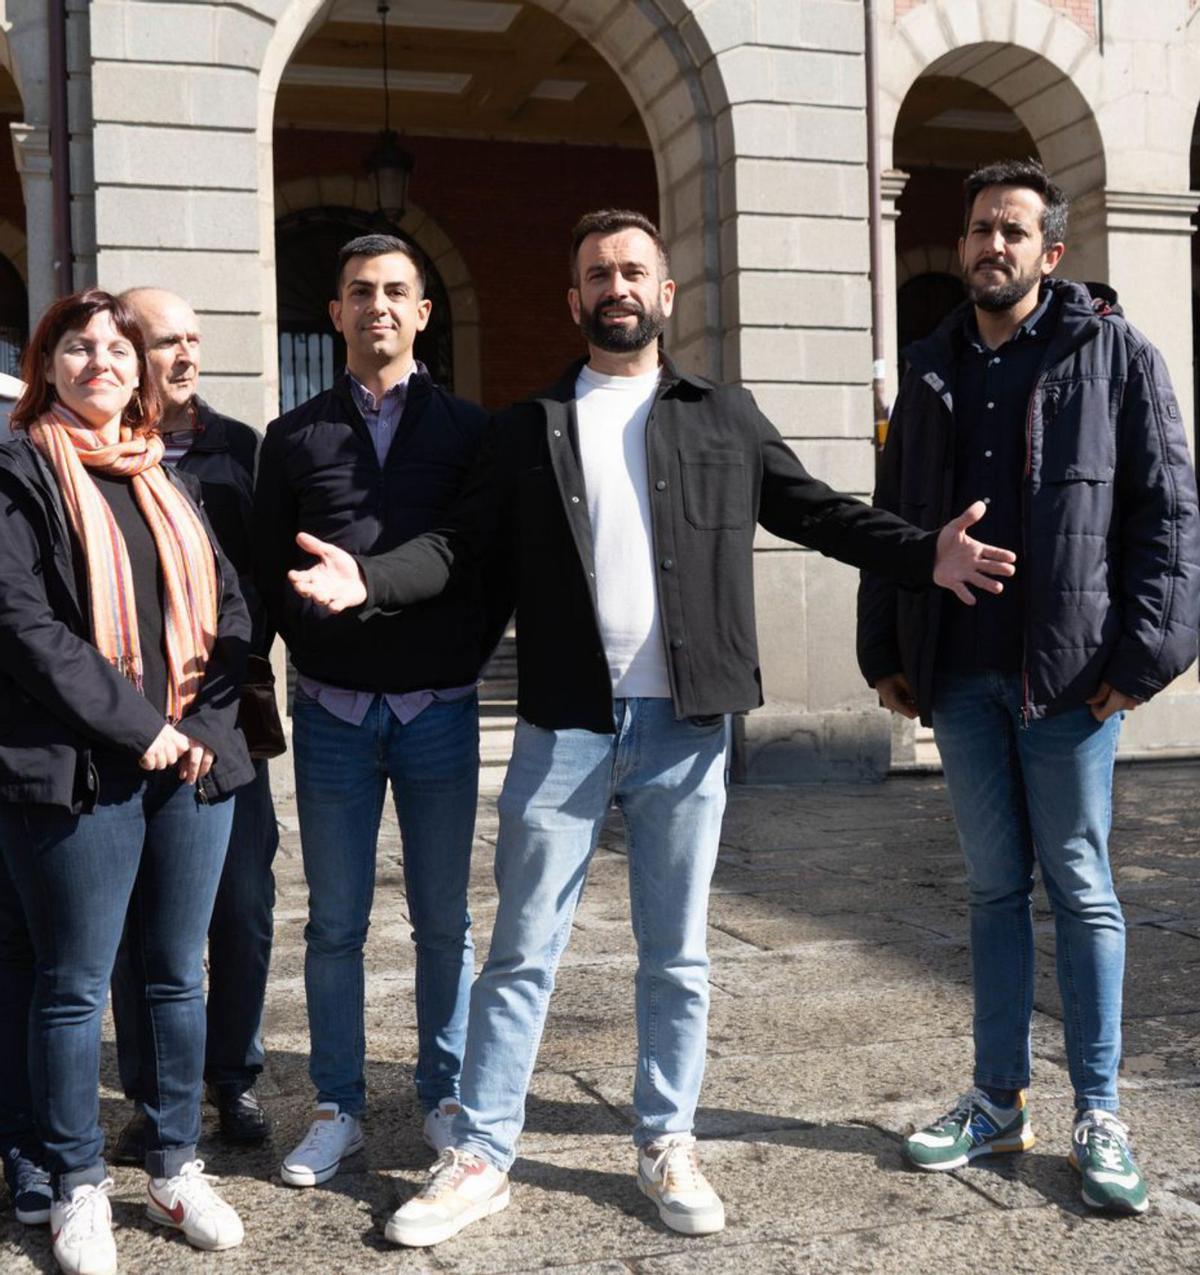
{"x":1037,"y":397}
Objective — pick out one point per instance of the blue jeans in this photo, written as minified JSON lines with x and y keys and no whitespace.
{"x":342,"y":773}
{"x":1044,"y":792}
{"x":667,"y":777}
{"x":239,"y":954}
{"x":152,"y":850}
{"x":16,"y":992}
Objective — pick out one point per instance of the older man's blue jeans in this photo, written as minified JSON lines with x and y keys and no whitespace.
{"x":342,"y":773}
{"x":667,"y":778}
{"x":152,"y":850}
{"x":1023,"y":793}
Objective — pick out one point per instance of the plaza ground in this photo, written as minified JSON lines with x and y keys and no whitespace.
{"x":841,"y":1014}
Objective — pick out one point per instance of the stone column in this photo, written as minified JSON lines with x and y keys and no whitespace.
{"x":893,"y":182}
{"x":31,"y":149}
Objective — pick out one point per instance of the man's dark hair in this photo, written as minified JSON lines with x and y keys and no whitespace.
{"x":376,"y":245}
{"x":1027,"y":173}
{"x":607,"y":221}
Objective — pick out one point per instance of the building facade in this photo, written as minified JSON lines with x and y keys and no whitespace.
{"x":219,"y":149}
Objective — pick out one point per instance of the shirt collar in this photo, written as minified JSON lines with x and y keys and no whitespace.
{"x":366,"y":400}
{"x":1027,"y":329}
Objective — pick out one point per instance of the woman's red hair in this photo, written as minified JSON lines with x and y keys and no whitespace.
{"x":73,"y":314}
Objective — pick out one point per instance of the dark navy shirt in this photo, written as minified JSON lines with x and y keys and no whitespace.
{"x":992,"y":390}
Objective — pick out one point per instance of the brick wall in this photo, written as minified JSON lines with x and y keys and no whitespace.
{"x":508,"y":208}
{"x":1081,"y":12}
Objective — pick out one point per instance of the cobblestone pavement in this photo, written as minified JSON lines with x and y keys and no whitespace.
{"x":840,"y":1015}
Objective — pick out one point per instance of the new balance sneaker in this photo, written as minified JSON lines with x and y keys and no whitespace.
{"x":29,"y":1186}
{"x":81,"y":1231}
{"x":436,"y":1129}
{"x":1100,"y":1152}
{"x":971,"y":1128}
{"x":669,"y":1174}
{"x":189,"y":1204}
{"x":332,"y":1137}
{"x":461,"y":1189}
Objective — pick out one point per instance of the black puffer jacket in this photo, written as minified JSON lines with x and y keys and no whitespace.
{"x":1111,"y":534}
{"x":65,"y":711}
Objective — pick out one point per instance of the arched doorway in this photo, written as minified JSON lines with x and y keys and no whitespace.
{"x":310,"y":354}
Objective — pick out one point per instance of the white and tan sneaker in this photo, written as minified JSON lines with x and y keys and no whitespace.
{"x":461,"y":1189}
{"x":436,"y":1129}
{"x":188,"y":1202}
{"x":81,"y":1231}
{"x":332,"y":1137}
{"x":669,"y":1173}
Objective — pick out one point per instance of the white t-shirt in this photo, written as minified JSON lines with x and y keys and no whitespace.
{"x":612,"y":412}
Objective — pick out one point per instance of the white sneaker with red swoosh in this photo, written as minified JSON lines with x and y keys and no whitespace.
{"x":81,"y":1231}
{"x":461,"y":1189}
{"x":188,"y":1202}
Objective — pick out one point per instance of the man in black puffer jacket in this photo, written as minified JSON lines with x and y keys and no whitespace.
{"x":1039,"y":398}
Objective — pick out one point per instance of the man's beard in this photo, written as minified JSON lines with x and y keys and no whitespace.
{"x":996,"y":297}
{"x":618,"y":338}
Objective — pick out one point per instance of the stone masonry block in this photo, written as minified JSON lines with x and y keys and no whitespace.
{"x":820,"y":79}
{"x":718,"y":25}
{"x":964,"y":23}
{"x":653,"y":70}
{"x":798,"y":243}
{"x":169,"y":33}
{"x":797,"y":186}
{"x":226,"y":281}
{"x":588,"y":16}
{"x":798,"y":410}
{"x":779,"y":586}
{"x":227,"y":344}
{"x":107,"y":22}
{"x":834,"y":682}
{"x":789,"y":354}
{"x":629,"y":31}
{"x":813,"y":24}
{"x":175,"y":157}
{"x":238,"y":396}
{"x":241,"y":38}
{"x":673,"y":111}
{"x":801,"y":299}
{"x":211,"y":96}
{"x":847,"y":464}
{"x":746,"y":72}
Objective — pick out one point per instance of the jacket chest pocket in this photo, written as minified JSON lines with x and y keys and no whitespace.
{"x":716,"y":493}
{"x":1078,"y":439}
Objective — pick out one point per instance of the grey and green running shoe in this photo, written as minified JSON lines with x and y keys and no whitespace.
{"x":974,"y":1126}
{"x":1110,"y":1178}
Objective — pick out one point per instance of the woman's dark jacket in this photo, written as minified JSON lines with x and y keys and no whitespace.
{"x":717,"y":469}
{"x":64,"y":709}
{"x":1110,"y":556}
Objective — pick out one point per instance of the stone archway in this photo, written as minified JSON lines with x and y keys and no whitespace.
{"x":662,"y":74}
{"x":424,"y":231}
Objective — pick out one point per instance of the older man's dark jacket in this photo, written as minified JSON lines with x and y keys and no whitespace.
{"x":717,"y":467}
{"x":1110,"y":556}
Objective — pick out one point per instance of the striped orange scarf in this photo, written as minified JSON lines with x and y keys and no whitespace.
{"x":185,"y":555}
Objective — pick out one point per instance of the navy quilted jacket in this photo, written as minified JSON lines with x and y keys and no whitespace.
{"x":1111,"y":531}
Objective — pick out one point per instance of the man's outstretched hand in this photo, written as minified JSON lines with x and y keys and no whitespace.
{"x":963,"y":561}
{"x":334,"y":581}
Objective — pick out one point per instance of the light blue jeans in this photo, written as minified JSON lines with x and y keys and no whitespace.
{"x":1044,"y":792}
{"x":342,"y":773}
{"x":667,"y":777}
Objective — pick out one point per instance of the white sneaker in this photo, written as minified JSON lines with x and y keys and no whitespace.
{"x":436,"y":1129}
{"x":669,"y":1173}
{"x":188,"y":1203}
{"x":461,"y":1189}
{"x":332,"y":1137}
{"x":81,"y":1231}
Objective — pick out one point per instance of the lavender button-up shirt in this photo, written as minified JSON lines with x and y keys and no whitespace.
{"x":381,"y":418}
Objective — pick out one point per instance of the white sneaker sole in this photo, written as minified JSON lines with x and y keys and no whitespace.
{"x":420,"y":1235}
{"x":298,"y":1175}
{"x":157,"y":1214}
{"x":699,"y":1222}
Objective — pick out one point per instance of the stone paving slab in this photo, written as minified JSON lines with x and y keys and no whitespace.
{"x":841,"y":1017}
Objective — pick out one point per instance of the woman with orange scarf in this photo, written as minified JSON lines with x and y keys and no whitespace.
{"x":122,"y":642}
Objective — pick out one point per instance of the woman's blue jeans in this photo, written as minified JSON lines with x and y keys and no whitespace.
{"x":1044,"y":792}
{"x":153,"y":851}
